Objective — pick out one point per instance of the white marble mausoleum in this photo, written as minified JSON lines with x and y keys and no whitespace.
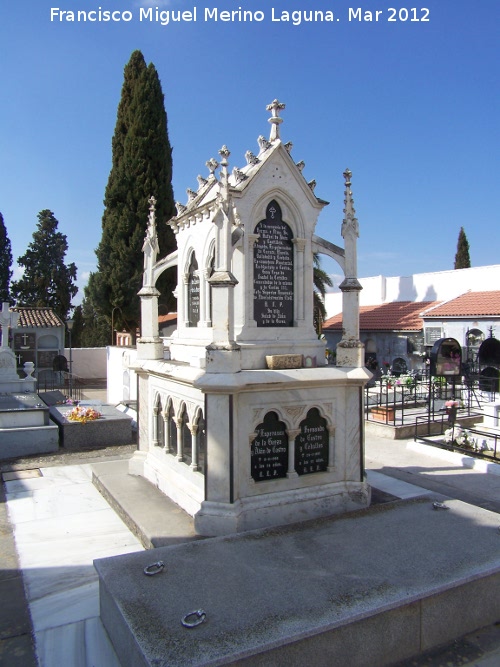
{"x":241,"y":422}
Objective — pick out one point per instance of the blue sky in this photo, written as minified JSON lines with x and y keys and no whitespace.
{"x":411,"y":107}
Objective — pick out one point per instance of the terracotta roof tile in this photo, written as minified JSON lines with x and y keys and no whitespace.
{"x":394,"y":316}
{"x":37,"y":317}
{"x":169,"y":317}
{"x":470,"y":304}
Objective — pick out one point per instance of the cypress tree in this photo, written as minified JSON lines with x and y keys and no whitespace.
{"x":141,"y":167}
{"x":462,"y":257}
{"x":46,"y":281}
{"x":5,"y":263}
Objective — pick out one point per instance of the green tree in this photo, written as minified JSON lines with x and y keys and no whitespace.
{"x":47,"y":280}
{"x":76,"y":332}
{"x":95,"y":329}
{"x":141,"y":168}
{"x":321,"y":280}
{"x":462,"y":257}
{"x":5,"y":263}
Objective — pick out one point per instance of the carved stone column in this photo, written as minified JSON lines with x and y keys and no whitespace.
{"x":193,"y":428}
{"x":156,"y":412}
{"x":205,"y":298}
{"x":185,"y":300}
{"x":223,"y":354}
{"x":252,"y":239}
{"x":292,"y":434}
{"x":166,"y":433}
{"x":179,"y":423}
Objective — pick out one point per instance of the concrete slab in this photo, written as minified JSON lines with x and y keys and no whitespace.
{"x":148,"y":513}
{"x":369,"y":588}
{"x":28,"y":441}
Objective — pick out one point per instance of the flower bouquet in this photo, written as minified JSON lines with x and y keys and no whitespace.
{"x":83,"y":415}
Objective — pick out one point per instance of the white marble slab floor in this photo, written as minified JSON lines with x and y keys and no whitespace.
{"x":61,"y":524}
{"x":394,"y":486}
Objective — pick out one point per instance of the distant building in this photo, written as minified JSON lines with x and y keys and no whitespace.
{"x":167,"y":324}
{"x":402,"y":316}
{"x":469,"y":318}
{"x":39,"y":337}
{"x":392,"y":334}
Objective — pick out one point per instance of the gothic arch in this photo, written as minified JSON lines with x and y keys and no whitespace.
{"x":282,"y":416}
{"x":290,"y":211}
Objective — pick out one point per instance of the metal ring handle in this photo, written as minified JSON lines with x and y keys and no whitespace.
{"x":440,"y":506}
{"x":201,"y":617}
{"x":154,"y":568}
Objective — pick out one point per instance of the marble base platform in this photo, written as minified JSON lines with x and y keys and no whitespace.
{"x":113,"y":428}
{"x":26,"y":441}
{"x":61,"y":523}
{"x":25,"y":427}
{"x":370,"y":588}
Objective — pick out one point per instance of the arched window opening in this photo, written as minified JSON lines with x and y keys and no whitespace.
{"x":172,"y":428}
{"x":185,"y":436}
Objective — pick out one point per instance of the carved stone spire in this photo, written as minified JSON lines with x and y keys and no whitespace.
{"x":350,"y":349}
{"x":350,"y":222}
{"x":150,"y":246}
{"x":275,"y":107}
{"x":150,"y":345}
{"x":224,"y":152}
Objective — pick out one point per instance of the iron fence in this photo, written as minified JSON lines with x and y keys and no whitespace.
{"x":69,"y":384}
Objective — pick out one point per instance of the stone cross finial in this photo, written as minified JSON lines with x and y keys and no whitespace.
{"x":7,"y":320}
{"x":275,"y":107}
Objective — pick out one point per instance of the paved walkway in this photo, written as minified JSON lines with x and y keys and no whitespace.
{"x":61,"y":523}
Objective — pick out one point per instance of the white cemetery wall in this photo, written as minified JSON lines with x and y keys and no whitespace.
{"x":121,"y":380}
{"x":438,"y":286}
{"x":88,"y":362}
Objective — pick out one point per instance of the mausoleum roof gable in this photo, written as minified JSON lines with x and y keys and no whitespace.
{"x":240,"y":177}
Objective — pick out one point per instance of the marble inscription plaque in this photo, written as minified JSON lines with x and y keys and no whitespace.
{"x":193,"y":293}
{"x":273,"y":271}
{"x":311,"y":445}
{"x":269,"y":450}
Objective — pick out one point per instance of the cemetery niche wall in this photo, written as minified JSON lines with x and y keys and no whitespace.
{"x":241,"y":422}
